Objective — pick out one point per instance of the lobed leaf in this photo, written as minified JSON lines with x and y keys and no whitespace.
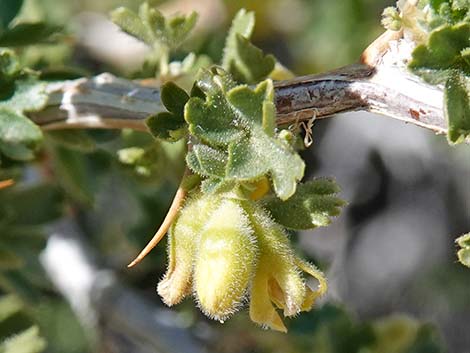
{"x":313,"y":205}
{"x":206,"y":161}
{"x":152,"y":28}
{"x":132,"y":24}
{"x":241,"y":121}
{"x":166,"y":126}
{"x":170,"y":125}
{"x":241,"y":58}
{"x":444,"y":50}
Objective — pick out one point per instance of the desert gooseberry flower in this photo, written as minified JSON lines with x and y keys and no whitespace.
{"x":228,"y":251}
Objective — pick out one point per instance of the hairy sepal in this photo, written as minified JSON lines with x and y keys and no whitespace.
{"x":227,"y":256}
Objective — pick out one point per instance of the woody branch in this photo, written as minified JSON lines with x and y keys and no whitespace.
{"x":379,"y":83}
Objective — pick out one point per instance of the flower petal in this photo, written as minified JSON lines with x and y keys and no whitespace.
{"x":286,"y":285}
{"x":313,"y":271}
{"x":261,"y":310}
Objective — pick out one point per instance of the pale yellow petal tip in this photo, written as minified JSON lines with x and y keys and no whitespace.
{"x":269,"y":319}
{"x":171,"y":293}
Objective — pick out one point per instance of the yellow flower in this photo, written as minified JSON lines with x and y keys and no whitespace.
{"x":227,"y":251}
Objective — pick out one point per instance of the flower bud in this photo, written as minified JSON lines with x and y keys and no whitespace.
{"x":182,"y":239}
{"x":225,"y":262}
{"x":278,"y":277}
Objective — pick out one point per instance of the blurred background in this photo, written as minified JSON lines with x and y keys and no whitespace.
{"x":395,"y":283}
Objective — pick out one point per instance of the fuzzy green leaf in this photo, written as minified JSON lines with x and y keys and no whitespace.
{"x":444,"y":49}
{"x":242,"y":120}
{"x":213,"y":119}
{"x":28,"y":341}
{"x":132,"y":24}
{"x":166,"y":126}
{"x":206,"y":161}
{"x":313,"y":205}
{"x":242,"y":24}
{"x":8,"y":11}
{"x":174,"y":99}
{"x":457,"y":108}
{"x":242,"y":59}
{"x":170,"y":126}
{"x":262,"y":152}
{"x":151,"y":27}
{"x":29,"y":95}
{"x":250,"y":64}
{"x":19,"y":136}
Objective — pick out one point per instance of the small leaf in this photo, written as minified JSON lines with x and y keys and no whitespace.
{"x":242,"y":120}
{"x":242,"y":59}
{"x":8,"y":11}
{"x":27,"y":33}
{"x":74,"y":139}
{"x":174,"y":98}
{"x":212,"y":120}
{"x":249,"y":64}
{"x":166,"y":126}
{"x":457,"y":108}
{"x":132,"y":24}
{"x":443,"y":49}
{"x":243,"y":24}
{"x":29,"y":95}
{"x":313,"y":205}
{"x":206,"y":161}
{"x":170,"y":126}
{"x":151,"y":27}
{"x":19,"y":136}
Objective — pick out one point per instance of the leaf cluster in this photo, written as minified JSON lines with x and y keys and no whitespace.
{"x":235,"y":143}
{"x":160,"y":33}
{"x":20,"y":90}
